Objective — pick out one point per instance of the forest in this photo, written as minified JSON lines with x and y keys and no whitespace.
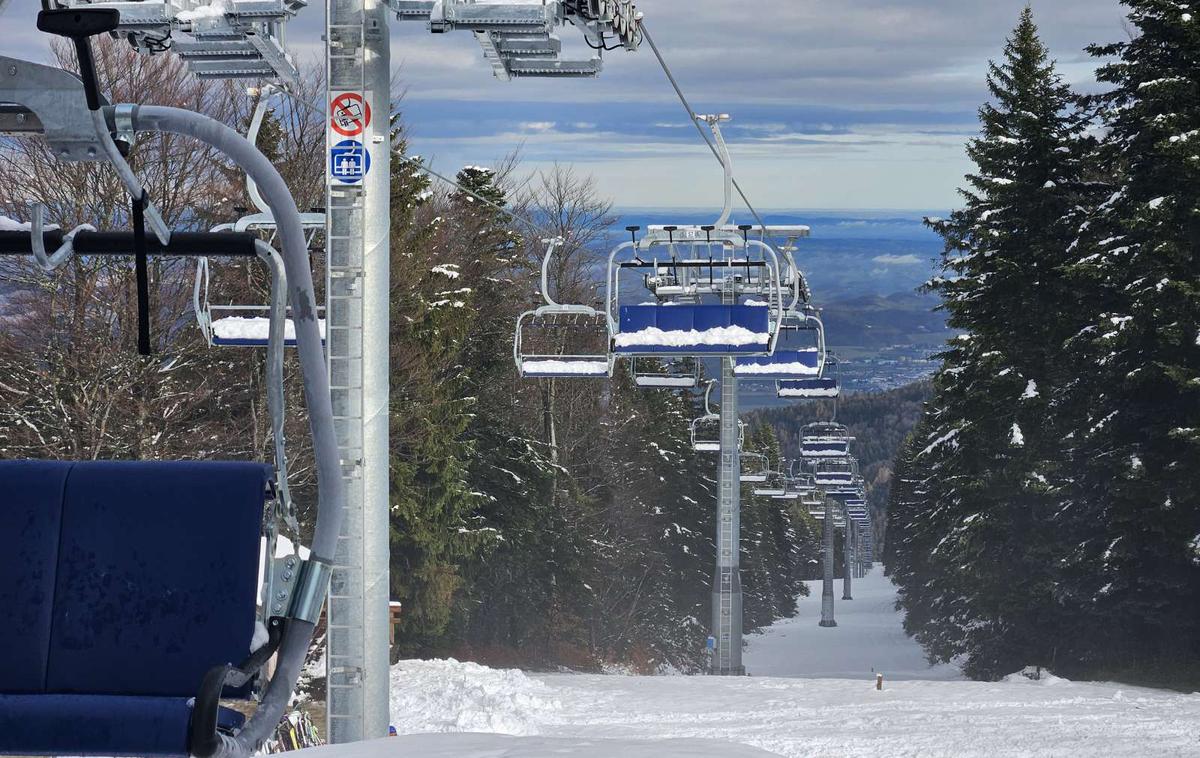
{"x":1045,"y":512}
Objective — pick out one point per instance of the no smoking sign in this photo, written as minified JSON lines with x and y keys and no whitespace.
{"x":349,"y":114}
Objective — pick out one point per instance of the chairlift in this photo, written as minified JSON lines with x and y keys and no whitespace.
{"x":680,"y":324}
{"x":824,"y":439}
{"x":835,"y":472}
{"x":672,"y":373}
{"x":240,"y":325}
{"x":249,"y":325}
{"x":755,"y":467}
{"x":822,"y":387}
{"x":144,"y":671}
{"x":772,"y":488}
{"x":706,"y":430}
{"x":799,"y":351}
{"x":561,"y":340}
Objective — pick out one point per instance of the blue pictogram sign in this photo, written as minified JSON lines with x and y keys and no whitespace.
{"x":349,"y":161}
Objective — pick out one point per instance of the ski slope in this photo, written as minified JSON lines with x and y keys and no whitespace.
{"x":811,"y":693}
{"x":869,"y":638}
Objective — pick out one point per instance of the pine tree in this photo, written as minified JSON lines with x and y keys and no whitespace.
{"x":975,"y":536}
{"x":1134,"y":573}
{"x":431,"y":500}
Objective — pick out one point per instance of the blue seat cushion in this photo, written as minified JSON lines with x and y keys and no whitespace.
{"x":126,"y":578}
{"x":99,"y":725}
{"x":685,"y":321}
{"x":31,"y":511}
{"x":157,"y":575}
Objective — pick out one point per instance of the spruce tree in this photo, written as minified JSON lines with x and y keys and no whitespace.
{"x":975,"y":538}
{"x":1133,"y":574}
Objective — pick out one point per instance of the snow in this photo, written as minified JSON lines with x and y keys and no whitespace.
{"x":581,"y":368}
{"x":795,"y":368}
{"x":500,"y":746}
{"x":811,"y":693}
{"x":254,"y":328}
{"x":868,"y":639}
{"x":1031,"y":390}
{"x":215,"y":9}
{"x":12,"y":225}
{"x":720,"y":335}
{"x":1017,"y":438}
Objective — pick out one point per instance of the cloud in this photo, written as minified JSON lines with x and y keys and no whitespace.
{"x":896,"y":260}
{"x":864,"y":104}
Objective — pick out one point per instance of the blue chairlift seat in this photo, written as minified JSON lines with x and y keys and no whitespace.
{"x":816,"y":387}
{"x":125,"y":583}
{"x":709,"y":329}
{"x":782,"y":364}
{"x":824,"y":447}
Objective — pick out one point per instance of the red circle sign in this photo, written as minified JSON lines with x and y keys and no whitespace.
{"x":349,"y":114}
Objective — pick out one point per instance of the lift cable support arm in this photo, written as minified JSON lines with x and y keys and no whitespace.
{"x":520,"y":40}
{"x":645,"y":33}
{"x":226,"y":39}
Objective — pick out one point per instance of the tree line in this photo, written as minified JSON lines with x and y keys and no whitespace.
{"x":1045,"y":510}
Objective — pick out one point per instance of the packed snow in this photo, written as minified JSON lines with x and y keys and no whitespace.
{"x":810,"y":692}
{"x":561,"y":367}
{"x":720,"y":335}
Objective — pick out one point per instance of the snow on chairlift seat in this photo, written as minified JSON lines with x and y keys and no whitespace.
{"x":708,"y":329}
{"x":562,"y":341}
{"x":833,"y":478}
{"x":86,"y":669}
{"x":564,"y":367}
{"x":782,"y":364}
{"x":251,"y":331}
{"x":815,"y":387}
{"x":824,"y":447}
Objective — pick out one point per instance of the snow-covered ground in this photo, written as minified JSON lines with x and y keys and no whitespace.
{"x":869,"y":638}
{"x":811,"y":693}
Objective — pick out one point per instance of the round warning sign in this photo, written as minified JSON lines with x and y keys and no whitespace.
{"x":349,"y":114}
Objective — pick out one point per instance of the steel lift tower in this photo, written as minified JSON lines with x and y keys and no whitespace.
{"x":517,"y":40}
{"x":357,"y":223}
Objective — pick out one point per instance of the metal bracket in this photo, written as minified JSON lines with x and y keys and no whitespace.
{"x":298,"y":587}
{"x":37,"y":99}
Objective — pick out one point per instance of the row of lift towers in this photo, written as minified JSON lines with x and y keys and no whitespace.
{"x":719,"y":294}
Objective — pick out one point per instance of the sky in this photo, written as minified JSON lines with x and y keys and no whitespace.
{"x":857,"y":104}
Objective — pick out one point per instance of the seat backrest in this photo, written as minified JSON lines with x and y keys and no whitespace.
{"x":126,"y":578}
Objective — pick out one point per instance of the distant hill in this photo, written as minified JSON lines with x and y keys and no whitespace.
{"x":879,"y":422}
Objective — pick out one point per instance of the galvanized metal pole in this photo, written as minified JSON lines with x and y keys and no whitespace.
{"x":357,"y":283}
{"x":847,"y":558}
{"x":727,"y":582}
{"x":827,"y":564}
